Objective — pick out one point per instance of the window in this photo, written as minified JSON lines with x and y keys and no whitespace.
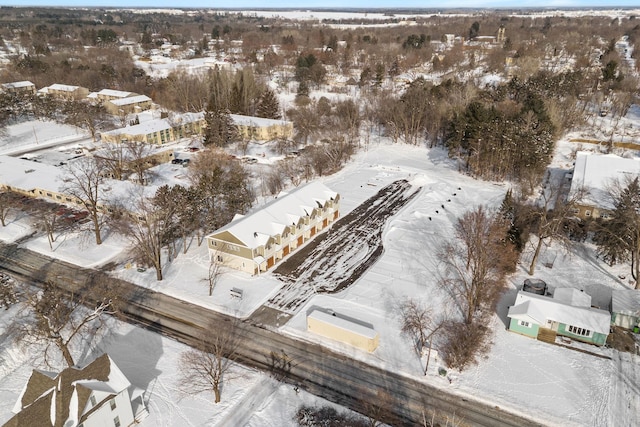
{"x":605,"y":215}
{"x":219,"y":258}
{"x":523,"y":323}
{"x":92,"y":399}
{"x":587,"y":213}
{"x":112,"y":403}
{"x":116,"y":421}
{"x":579,"y":331}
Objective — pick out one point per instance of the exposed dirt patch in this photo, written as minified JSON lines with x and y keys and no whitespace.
{"x":621,"y":339}
{"x":337,"y":258}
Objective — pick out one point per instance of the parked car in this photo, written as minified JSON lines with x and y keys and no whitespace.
{"x":176,"y":161}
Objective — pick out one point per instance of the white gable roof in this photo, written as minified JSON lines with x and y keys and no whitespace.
{"x":255,"y":229}
{"x":130,"y":100}
{"x":113,"y":92}
{"x":572,"y":296}
{"x":596,"y":172}
{"x":540,"y":308}
{"x":63,"y":88}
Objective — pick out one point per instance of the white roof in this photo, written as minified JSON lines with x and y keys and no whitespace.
{"x":27,"y":174}
{"x":64,"y":88}
{"x":255,"y":229}
{"x":256,"y":121}
{"x":572,"y":296}
{"x":626,"y":301}
{"x":130,"y":100}
{"x":156,"y":125}
{"x":113,"y":92}
{"x":538,"y":309}
{"x":343,"y":323}
{"x":596,"y":172}
{"x":24,"y":83}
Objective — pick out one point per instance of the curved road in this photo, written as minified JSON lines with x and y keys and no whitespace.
{"x":391,"y":397}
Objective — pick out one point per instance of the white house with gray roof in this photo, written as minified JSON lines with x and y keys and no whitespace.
{"x":594,"y":174}
{"x":568,"y":314}
{"x":254,"y":243}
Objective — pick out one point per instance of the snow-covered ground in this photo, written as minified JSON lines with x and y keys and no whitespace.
{"x":555,"y":385}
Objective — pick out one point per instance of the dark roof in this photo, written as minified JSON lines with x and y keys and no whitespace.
{"x":42,"y":388}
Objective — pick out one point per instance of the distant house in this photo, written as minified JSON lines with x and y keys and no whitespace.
{"x":567,"y":313}
{"x":159,"y":131}
{"x":625,"y":308}
{"x":129,"y":105}
{"x":261,"y":129}
{"x":255,"y":242}
{"x":94,"y":396}
{"x":65,"y":92}
{"x":594,"y":174}
{"x":110,"y":94}
{"x":20,"y":88}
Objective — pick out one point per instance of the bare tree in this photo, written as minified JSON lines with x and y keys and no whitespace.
{"x":145,"y":223}
{"x":6,"y":202}
{"x":58,"y":319}
{"x":47,"y":218}
{"x":8,"y":291}
{"x":431,"y":417}
{"x":84,"y":180}
{"x":207,"y":367}
{"x":216,"y":270}
{"x":138,"y":157}
{"x":548,"y":221}
{"x":476,"y":261}
{"x":419,"y":323}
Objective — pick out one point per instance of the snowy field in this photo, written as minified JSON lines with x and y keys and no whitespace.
{"x":554,"y":385}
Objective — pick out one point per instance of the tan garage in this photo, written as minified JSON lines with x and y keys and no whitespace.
{"x":342,"y":328}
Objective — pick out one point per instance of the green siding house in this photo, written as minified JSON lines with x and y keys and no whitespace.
{"x":568,"y":313}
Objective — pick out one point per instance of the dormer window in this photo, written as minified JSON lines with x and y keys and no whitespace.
{"x":112,"y":403}
{"x":92,"y":399}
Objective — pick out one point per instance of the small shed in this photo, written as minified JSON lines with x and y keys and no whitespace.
{"x":344,"y":329}
{"x":625,"y":308}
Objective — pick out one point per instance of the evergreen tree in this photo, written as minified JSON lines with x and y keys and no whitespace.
{"x":220,"y":129}
{"x":268,"y":105}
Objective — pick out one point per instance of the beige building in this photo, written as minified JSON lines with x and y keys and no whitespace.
{"x":110,"y":94}
{"x":20,"y":88}
{"x":343,"y":329}
{"x":66,"y":92}
{"x":260,"y":129}
{"x":256,"y":242}
{"x":129,"y":105}
{"x":32,"y":179}
{"x":159,"y":131}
